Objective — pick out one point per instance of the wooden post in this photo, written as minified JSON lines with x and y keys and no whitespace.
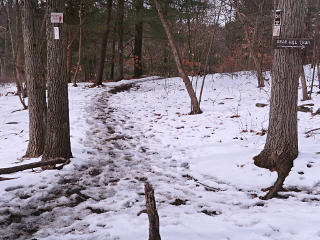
{"x":152,"y":212}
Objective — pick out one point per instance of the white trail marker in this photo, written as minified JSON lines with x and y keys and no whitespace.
{"x":56,"y":33}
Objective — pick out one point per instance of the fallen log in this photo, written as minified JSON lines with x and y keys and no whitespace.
{"x":32,"y":165}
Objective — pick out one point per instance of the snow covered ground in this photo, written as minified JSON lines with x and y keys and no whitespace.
{"x":206,"y":185}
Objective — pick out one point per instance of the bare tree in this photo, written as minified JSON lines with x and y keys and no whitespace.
{"x":138,"y":39}
{"x":80,"y":46}
{"x":253,"y":53}
{"x":195,"y":107}
{"x":16,"y":50}
{"x":99,"y":74}
{"x":120,"y":16}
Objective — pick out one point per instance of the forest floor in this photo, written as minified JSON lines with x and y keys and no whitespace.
{"x":201,"y":167}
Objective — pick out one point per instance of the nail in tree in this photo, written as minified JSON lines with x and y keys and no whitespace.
{"x":58,"y":127}
{"x":281,"y":147}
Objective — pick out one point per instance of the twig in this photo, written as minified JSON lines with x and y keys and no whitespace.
{"x":312,"y":130}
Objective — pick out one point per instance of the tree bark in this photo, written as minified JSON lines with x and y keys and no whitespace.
{"x":104,"y":45}
{"x":120,"y":15}
{"x":138,"y":39}
{"x":35,"y":77}
{"x":58,"y":126}
{"x":195,"y":108}
{"x":281,"y":147}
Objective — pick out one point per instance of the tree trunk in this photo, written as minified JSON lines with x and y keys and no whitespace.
{"x":69,"y":56}
{"x":14,"y":44}
{"x":104,"y":45}
{"x":80,"y":47}
{"x":19,"y":54}
{"x":5,"y":66}
{"x":113,"y":53}
{"x":305,"y":95}
{"x":58,"y":126}
{"x":120,"y":15}
{"x":281,"y":147}
{"x":35,"y":77}
{"x":195,"y":108}
{"x":138,"y":39}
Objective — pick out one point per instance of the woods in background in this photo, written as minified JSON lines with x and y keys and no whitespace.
{"x":108,"y":40}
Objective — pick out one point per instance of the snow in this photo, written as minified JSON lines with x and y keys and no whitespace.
{"x":202,"y":161}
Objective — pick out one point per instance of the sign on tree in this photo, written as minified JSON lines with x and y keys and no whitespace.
{"x":56,"y":17}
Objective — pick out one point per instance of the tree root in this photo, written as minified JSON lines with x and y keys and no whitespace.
{"x":275,"y":188}
{"x":281,"y":163}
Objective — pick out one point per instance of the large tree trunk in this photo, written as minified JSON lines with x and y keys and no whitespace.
{"x":104,"y":45}
{"x":35,"y":77}
{"x":195,"y":108}
{"x":138,"y":39}
{"x":58,"y":126}
{"x":281,"y":147}
{"x":120,"y":15}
